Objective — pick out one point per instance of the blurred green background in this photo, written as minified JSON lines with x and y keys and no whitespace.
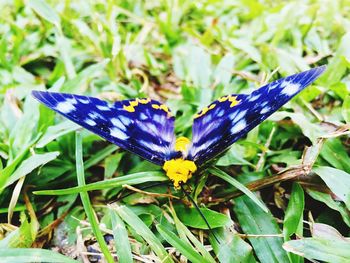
{"x":186,"y":54}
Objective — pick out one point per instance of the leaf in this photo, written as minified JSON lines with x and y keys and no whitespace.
{"x":191,"y":217}
{"x":346,"y":109}
{"x":90,"y":213}
{"x":310,"y":130}
{"x":28,"y":165}
{"x":45,"y":11}
{"x":18,"y":255}
{"x":87,"y":73}
{"x":337,"y":180}
{"x":335,"y":251}
{"x":328,"y":200}
{"x":221,"y":174}
{"x":119,"y":232}
{"x":56,"y":131}
{"x":131,"y":179}
{"x":232,"y":248}
{"x":183,"y":247}
{"x":255,"y":221}
{"x":293,"y":219}
{"x":223,"y":71}
{"x":139,"y":226}
{"x":334,"y":152}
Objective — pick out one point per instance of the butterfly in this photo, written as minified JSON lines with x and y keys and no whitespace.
{"x":146,"y":127}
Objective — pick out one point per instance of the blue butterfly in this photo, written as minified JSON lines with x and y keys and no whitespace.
{"x":146,"y":127}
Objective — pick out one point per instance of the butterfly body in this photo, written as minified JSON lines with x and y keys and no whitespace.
{"x":146,"y":127}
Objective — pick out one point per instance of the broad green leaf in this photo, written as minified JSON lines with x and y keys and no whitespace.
{"x":337,"y":180}
{"x":22,"y":255}
{"x":232,"y":248}
{"x":335,"y":251}
{"x":255,"y":221}
{"x":309,"y":129}
{"x":191,"y":217}
{"x":328,"y":200}
{"x":334,"y":152}
{"x":293,"y":219}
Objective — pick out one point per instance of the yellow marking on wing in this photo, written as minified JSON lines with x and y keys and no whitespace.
{"x":134,"y":103}
{"x":129,"y":108}
{"x":179,"y":170}
{"x":204,"y":111}
{"x":233,"y":100}
{"x":155,"y":106}
{"x":222,"y":99}
{"x":164,"y":108}
{"x":144,"y":101}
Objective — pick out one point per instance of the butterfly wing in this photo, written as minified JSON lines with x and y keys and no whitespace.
{"x":142,"y":126}
{"x":226,"y":120}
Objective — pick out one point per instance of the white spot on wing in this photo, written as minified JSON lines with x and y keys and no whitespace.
{"x":238,"y":115}
{"x":117,"y":123}
{"x":103,"y":108}
{"x":265,"y":110}
{"x":143,"y":116}
{"x":254,"y":98}
{"x":95,"y":115}
{"x":239,"y":126}
{"x":90,"y":122}
{"x":65,"y":107}
{"x":221,"y":113}
{"x":84,"y":101}
{"x":72,"y":100}
{"x":152,"y":146}
{"x":125,"y":120}
{"x":115,"y":132}
{"x":291,"y":89}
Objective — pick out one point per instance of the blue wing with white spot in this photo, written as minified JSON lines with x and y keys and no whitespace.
{"x":142,"y":126}
{"x":229,"y":118}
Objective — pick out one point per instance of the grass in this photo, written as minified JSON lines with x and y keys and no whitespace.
{"x":281,"y":194}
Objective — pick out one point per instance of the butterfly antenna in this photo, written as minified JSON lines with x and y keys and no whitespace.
{"x":199,"y":211}
{"x":141,"y":188}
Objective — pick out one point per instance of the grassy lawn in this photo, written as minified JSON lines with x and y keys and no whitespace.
{"x":279,"y":194}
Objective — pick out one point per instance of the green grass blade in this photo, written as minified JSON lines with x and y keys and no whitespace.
{"x":18,"y":255}
{"x":185,"y":233}
{"x":86,"y":201}
{"x":183,"y":247}
{"x":221,"y":174}
{"x":131,"y":179}
{"x":119,"y":232}
{"x":45,"y":11}
{"x":28,"y":165}
{"x":139,"y":226}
